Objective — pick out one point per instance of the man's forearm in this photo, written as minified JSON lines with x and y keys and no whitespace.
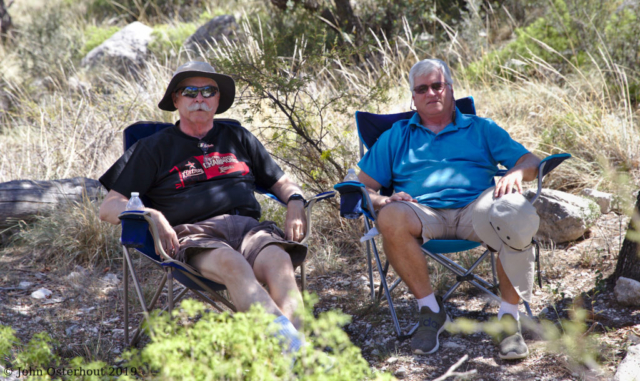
{"x":528,"y":164}
{"x":284,"y":188}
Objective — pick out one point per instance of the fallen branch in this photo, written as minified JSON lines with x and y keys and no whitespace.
{"x":452,"y":373}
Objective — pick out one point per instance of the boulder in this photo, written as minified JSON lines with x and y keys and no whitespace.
{"x":563,"y":217}
{"x":601,"y":198}
{"x":125,"y":51}
{"x":627,"y":292}
{"x":215,"y":30}
{"x":628,"y":369}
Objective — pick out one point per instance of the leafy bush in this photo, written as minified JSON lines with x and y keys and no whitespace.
{"x":168,"y":38}
{"x":47,"y":45}
{"x":95,"y":36}
{"x":199,"y":345}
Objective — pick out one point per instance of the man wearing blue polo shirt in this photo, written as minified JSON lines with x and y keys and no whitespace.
{"x":439,"y":163}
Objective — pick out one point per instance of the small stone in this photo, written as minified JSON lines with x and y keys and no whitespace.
{"x":41,"y":293}
{"x":71,"y":330}
{"x":400,"y":372}
{"x":117,"y":332}
{"x":25,"y":285}
{"x":452,"y":345}
{"x":111,"y":279}
{"x":392,"y":360}
{"x":375,"y":352}
{"x":627,"y":291}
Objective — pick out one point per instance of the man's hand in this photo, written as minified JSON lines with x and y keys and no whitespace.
{"x":166,"y":234}
{"x":400,"y":196}
{"x":510,"y":182}
{"x":526,"y":169}
{"x":295,"y":224}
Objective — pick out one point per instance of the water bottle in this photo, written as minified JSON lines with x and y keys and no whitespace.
{"x":134,"y":202}
{"x":351,"y":175}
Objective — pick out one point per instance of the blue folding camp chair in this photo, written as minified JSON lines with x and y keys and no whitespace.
{"x":140,"y":233}
{"x":355,"y":201}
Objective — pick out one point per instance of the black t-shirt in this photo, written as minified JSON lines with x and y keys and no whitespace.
{"x":172,"y":170}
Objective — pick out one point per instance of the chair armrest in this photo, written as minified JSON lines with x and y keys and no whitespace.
{"x":309,"y":207}
{"x":134,"y":229}
{"x":547,"y":165}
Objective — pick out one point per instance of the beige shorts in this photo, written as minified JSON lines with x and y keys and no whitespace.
{"x":243,"y":234}
{"x":456,"y":224}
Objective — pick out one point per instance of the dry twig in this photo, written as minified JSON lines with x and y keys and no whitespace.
{"x":452,"y":373}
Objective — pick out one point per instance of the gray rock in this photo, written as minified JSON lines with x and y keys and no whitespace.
{"x":563,"y":217}
{"x":627,"y":291}
{"x":25,"y":285}
{"x":601,"y":198}
{"x":629,"y":368}
{"x":215,"y":30}
{"x":125,"y":51}
{"x":111,"y":279}
{"x":392,"y":360}
{"x":400,"y":372}
{"x":41,"y":293}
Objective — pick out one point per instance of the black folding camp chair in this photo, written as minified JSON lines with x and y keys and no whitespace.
{"x":355,"y":201}
{"x":140,"y":233}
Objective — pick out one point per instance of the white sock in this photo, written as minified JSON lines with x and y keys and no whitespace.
{"x":429,"y":301}
{"x":291,"y":336}
{"x":508,"y":308}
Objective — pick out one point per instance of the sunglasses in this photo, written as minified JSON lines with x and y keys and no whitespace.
{"x":192,"y":91}
{"x":436,"y":87}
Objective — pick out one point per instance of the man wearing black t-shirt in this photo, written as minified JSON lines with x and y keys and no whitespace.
{"x":200,"y":176}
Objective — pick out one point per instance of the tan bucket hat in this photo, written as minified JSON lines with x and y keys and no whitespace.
{"x":508,"y":224}
{"x":226,"y":84}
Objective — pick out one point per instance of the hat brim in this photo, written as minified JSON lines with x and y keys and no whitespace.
{"x":225,"y":83}
{"x":513,"y":261}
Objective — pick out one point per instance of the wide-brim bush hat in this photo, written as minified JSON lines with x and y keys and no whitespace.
{"x":226,"y":85}
{"x":507,"y":224}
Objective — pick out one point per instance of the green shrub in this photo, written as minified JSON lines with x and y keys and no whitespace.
{"x":94,"y":36}
{"x":201,"y":345}
{"x":168,"y":38}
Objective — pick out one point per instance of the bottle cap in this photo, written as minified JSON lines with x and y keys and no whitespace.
{"x":135,"y":194}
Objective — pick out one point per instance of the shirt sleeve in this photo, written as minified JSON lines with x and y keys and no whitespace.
{"x":133,"y":172}
{"x":504,"y":150}
{"x":378,"y":161}
{"x":265,"y":170}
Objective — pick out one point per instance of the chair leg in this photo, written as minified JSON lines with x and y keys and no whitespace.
{"x":493,"y":269}
{"x":383,"y":283}
{"x":538,"y":263}
{"x":303,"y":277}
{"x":370,"y":269}
{"x":170,"y":289}
{"x":125,"y":281}
{"x":152,"y":304}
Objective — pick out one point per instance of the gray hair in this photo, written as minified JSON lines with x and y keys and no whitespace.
{"x":425,"y":67}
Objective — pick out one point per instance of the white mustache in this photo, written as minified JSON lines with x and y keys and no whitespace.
{"x":199,"y":106}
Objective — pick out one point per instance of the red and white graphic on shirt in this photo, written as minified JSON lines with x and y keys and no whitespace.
{"x":207,"y":167}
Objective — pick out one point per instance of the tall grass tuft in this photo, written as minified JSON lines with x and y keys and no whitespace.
{"x":72,"y":233}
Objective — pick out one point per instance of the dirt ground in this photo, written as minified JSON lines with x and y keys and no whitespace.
{"x":84,"y":312}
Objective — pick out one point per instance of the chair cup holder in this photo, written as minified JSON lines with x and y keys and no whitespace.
{"x":134,"y":232}
{"x":351,"y":205}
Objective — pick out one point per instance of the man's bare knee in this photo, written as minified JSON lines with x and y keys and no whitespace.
{"x":272,"y":262}
{"x":398,"y":220}
{"x":222,"y":265}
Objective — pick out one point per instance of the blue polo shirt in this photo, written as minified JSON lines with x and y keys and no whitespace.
{"x":447,"y":170}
